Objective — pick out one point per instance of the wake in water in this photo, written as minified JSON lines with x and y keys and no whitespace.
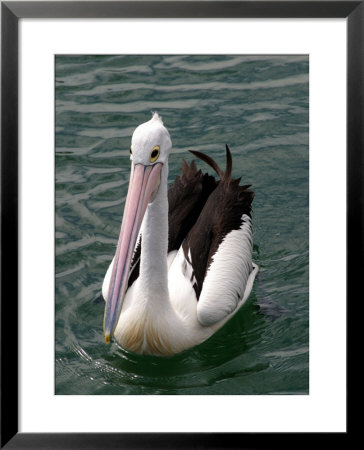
{"x":267,"y":306}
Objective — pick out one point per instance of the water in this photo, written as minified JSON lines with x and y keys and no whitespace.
{"x":259,"y":106}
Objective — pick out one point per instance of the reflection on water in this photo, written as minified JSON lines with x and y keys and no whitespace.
{"x":256,"y":104}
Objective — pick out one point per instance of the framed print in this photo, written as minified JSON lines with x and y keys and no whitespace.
{"x":78,"y":78}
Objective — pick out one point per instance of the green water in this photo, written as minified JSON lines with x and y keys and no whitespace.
{"x":259,"y":106}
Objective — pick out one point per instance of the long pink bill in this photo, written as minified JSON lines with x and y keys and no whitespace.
{"x":144,"y":181}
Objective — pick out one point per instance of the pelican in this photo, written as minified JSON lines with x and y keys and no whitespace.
{"x":183,"y":263}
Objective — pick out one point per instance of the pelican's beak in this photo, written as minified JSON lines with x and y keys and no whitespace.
{"x":143,"y":187}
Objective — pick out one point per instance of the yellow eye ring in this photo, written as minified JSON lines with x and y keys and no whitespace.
{"x":154,"y":154}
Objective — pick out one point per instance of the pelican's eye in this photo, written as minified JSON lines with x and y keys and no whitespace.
{"x":154,"y":154}
{"x":131,"y":151}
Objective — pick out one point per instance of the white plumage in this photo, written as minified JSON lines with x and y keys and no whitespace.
{"x":226,"y":279}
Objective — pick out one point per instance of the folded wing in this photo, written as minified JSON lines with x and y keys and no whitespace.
{"x":219,"y":247}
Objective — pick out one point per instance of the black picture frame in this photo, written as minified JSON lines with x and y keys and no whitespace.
{"x":11,"y":12}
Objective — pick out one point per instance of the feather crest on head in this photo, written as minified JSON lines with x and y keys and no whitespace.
{"x":156,"y":116}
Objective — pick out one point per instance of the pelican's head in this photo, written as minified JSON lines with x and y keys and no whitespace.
{"x":150,"y":147}
{"x":150,"y":143}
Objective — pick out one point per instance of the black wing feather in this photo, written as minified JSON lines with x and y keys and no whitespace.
{"x":186,"y":198}
{"x":221,"y":214}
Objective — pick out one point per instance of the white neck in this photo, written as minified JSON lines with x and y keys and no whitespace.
{"x":153,"y":276}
